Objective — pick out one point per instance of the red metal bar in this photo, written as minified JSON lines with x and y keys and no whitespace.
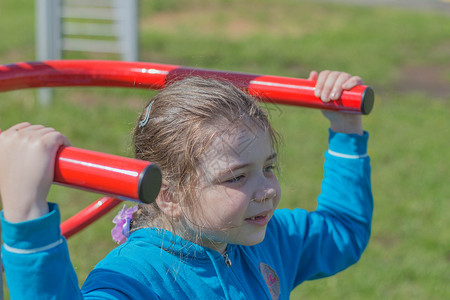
{"x":123,"y":177}
{"x":88,"y":215}
{"x":276,"y":89}
{"x":83,"y":171}
{"x":126,"y":178}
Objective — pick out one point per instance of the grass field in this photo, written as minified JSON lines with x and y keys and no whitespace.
{"x":404,"y":55}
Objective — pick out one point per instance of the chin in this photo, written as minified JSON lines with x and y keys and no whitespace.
{"x":255,"y":241}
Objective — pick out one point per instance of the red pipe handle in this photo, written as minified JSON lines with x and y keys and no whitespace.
{"x":276,"y":89}
{"x":285,"y":90}
{"x":122,"y":177}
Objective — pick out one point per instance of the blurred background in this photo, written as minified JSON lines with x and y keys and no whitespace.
{"x":402,"y":51}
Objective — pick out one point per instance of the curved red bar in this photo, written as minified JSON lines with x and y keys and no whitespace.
{"x":88,"y":215}
{"x":59,"y":73}
{"x":69,"y":166}
{"x":122,"y":177}
{"x":276,"y":89}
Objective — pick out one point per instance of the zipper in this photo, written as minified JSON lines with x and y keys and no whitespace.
{"x":232,"y":273}
{"x":227,"y":259}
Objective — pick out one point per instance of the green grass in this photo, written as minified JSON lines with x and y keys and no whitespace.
{"x":409,"y":253}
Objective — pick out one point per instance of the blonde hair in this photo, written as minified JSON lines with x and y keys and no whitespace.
{"x":185,"y":118}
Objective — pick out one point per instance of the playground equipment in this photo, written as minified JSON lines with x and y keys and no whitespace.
{"x":127,"y":178}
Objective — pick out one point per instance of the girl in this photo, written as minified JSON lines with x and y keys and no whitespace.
{"x":213,"y":231}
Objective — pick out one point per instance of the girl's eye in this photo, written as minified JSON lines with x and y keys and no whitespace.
{"x":269,"y":168}
{"x":235,"y":179}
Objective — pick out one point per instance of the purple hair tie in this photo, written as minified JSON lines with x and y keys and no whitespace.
{"x":121,"y":231}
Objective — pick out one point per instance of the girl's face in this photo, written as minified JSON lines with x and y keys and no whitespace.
{"x":239,"y":190}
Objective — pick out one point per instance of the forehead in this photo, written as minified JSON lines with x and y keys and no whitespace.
{"x":244,"y":144}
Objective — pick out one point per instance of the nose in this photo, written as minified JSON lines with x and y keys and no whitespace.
{"x":265,"y":191}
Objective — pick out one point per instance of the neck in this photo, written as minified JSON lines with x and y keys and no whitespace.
{"x":189,"y":234}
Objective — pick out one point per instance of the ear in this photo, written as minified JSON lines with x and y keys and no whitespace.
{"x":166,"y":202}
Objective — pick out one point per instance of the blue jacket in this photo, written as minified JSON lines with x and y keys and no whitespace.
{"x":154,"y":264}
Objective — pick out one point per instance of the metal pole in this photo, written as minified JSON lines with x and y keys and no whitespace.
{"x":48,"y":45}
{"x":127,"y":27}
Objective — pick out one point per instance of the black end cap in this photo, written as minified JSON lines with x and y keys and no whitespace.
{"x":367,"y":100}
{"x":149,"y":183}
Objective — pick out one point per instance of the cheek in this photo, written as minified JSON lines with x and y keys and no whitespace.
{"x":236,"y":201}
{"x":223,"y":204}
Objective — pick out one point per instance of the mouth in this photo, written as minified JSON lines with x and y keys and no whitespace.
{"x":259,"y":219}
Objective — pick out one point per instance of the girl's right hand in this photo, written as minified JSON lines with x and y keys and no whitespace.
{"x":27,"y":160}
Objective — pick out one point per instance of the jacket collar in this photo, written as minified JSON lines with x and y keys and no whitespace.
{"x":174,"y":244}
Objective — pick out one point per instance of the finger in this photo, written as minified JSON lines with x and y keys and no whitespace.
{"x":60,"y":139}
{"x":313,"y":75}
{"x":336,"y":92}
{"x":50,"y":138}
{"x":54,"y":138}
{"x":44,"y":130}
{"x":33,"y":128}
{"x":352,"y":82}
{"x":18,"y":127}
{"x":28,"y":133}
{"x":14,"y":130}
{"x":329,"y":85}
{"x":320,"y":82}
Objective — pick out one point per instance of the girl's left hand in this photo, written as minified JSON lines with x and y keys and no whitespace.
{"x":331,"y":84}
{"x":329,"y":87}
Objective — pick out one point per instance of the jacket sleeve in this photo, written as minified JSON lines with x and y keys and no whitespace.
{"x":37,"y":265}
{"x":36,"y":259}
{"x":333,"y":237}
{"x":345,"y":204}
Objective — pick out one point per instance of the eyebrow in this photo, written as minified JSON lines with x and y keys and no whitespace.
{"x":237,"y":167}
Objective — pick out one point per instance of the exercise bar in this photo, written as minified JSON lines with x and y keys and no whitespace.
{"x":121,"y":177}
{"x":273,"y":89}
{"x":60,"y":73}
